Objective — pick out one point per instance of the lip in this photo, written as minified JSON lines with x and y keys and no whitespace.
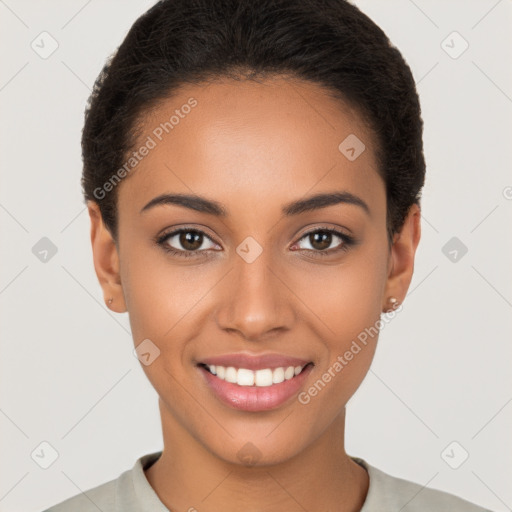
{"x":255,"y":362}
{"x":255,"y":398}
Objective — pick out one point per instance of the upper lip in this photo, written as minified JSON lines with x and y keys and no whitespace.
{"x":254,"y":362}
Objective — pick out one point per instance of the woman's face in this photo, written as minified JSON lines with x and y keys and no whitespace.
{"x":259,"y":279}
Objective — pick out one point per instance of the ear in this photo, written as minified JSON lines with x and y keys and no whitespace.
{"x":106,"y":260}
{"x":401,"y":259}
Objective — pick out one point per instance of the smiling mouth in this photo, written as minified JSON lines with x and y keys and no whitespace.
{"x":264,"y":377}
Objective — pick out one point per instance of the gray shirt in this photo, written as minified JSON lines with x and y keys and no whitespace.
{"x":131,"y":492}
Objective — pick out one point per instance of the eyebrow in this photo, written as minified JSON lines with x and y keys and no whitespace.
{"x":204,"y":205}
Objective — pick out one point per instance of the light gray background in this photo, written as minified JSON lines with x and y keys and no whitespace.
{"x":442,"y":368}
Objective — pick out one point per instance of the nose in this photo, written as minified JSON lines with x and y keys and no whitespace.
{"x":257,"y":302}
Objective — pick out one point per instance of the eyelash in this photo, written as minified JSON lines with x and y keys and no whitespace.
{"x":347,"y":242}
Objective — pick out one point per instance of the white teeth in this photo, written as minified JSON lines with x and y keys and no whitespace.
{"x":261,"y":378}
{"x":220,"y":372}
{"x":289,"y":372}
{"x":245,"y":377}
{"x":278,"y":376}
{"x":231,"y":375}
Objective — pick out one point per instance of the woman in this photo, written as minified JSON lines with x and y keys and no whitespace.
{"x":253,"y":172}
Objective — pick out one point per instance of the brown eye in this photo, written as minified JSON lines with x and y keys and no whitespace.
{"x":185,"y":242}
{"x":320,"y":242}
{"x":190,"y":240}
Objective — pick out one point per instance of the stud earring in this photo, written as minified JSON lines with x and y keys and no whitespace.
{"x":394,"y":303}
{"x":110,"y":301}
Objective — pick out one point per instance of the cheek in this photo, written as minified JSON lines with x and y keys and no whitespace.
{"x":345,"y":298}
{"x":352,"y":316}
{"x":164,"y":298}
{"x":163,"y":302}
{"x":345,"y":303}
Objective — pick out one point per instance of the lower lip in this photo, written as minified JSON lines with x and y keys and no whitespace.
{"x":255,"y":398}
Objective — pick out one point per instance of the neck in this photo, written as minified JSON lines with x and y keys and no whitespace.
{"x":188,"y":476}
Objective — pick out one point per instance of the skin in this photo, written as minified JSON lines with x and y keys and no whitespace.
{"x":254,"y":146}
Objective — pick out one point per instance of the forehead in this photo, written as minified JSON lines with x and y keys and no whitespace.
{"x":242,"y":141}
